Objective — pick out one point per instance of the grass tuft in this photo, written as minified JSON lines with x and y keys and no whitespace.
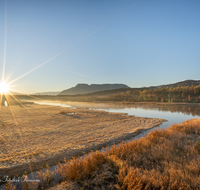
{"x":163,"y":159}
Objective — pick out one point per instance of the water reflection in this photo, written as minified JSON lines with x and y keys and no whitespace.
{"x":188,"y":109}
{"x":52,"y":104}
{"x":173,"y":113}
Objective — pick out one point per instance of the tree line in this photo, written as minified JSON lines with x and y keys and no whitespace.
{"x":176,"y":94}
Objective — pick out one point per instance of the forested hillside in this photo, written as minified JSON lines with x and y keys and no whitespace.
{"x":178,"y":94}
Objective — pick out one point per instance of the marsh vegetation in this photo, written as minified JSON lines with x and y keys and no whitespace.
{"x":163,"y":159}
{"x":35,"y":135}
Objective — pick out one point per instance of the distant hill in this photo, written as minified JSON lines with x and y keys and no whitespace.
{"x":47,"y":93}
{"x":85,"y":88}
{"x":181,"y":84}
{"x":15,"y":93}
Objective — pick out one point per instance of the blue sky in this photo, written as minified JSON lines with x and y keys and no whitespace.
{"x":138,"y":43}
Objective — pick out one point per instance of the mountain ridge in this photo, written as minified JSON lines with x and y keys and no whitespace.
{"x":183,"y":83}
{"x":83,"y":88}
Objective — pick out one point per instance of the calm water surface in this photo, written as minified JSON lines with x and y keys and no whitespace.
{"x":172,"y":113}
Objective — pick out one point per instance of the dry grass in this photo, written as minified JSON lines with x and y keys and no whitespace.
{"x":164,"y":159}
{"x":38,"y":135}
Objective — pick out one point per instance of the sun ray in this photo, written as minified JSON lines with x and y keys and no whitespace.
{"x":37,"y":98}
{"x":21,"y":132}
{"x":19,"y":129}
{"x":1,"y":100}
{"x":109,"y":21}
{"x":13,"y":70}
{"x":4,"y":61}
{"x":23,"y":55}
{"x":52,"y":58}
{"x":16,"y":123}
{"x":37,"y":67}
{"x":20,"y":102}
{"x":15,"y":99}
{"x":58,"y":54}
{"x":15,"y":120}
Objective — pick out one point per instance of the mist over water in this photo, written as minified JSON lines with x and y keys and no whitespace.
{"x":172,"y":113}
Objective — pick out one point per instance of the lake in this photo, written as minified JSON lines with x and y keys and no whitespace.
{"x":173,"y":113}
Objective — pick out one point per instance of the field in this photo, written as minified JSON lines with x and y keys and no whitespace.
{"x":33,"y":136}
{"x":163,"y":159}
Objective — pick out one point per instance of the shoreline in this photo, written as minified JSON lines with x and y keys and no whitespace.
{"x":119,"y":103}
{"x":38,"y":166}
{"x":35,"y":166}
{"x":154,"y":162}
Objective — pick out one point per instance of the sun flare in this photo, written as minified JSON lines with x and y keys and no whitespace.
{"x":4,"y":88}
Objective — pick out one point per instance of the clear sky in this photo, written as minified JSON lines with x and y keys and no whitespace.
{"x":135,"y":42}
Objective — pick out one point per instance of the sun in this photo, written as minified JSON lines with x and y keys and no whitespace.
{"x":4,"y":88}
